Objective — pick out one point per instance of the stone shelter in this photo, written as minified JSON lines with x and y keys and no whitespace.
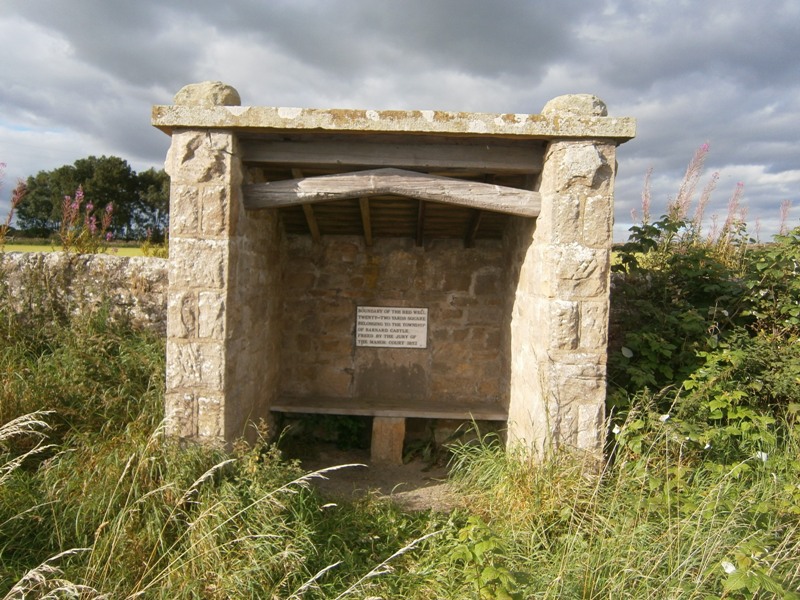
{"x":393,"y":264}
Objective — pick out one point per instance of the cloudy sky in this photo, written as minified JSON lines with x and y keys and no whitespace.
{"x":79,"y":77}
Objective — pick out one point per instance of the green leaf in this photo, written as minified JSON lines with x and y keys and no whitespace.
{"x":737,"y":580}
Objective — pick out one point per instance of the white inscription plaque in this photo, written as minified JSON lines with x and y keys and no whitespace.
{"x":391,"y":327}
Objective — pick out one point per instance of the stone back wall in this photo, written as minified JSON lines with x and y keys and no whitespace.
{"x":463,"y":289}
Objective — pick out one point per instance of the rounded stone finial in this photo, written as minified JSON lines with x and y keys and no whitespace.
{"x":587,"y":105}
{"x":207,"y":94}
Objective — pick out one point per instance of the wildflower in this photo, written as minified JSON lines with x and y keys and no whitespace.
{"x":707,"y":446}
{"x":762,"y":456}
{"x":616,"y":430}
{"x":664,"y":418}
{"x":109,"y":236}
{"x":728,"y":567}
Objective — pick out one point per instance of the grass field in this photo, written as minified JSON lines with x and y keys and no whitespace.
{"x":119,"y":251}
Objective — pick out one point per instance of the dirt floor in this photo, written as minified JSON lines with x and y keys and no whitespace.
{"x":415,"y":485}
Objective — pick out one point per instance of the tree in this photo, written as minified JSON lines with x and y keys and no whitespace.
{"x":141,"y":202}
{"x":110,"y":180}
{"x":152,"y":215}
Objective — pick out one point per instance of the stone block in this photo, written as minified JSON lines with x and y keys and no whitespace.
{"x":598,"y":221}
{"x":456,"y":281}
{"x":486,"y":282}
{"x":388,"y":434}
{"x":180,"y":409}
{"x":485,"y":315}
{"x":563,"y":324}
{"x":199,"y":157}
{"x":594,"y":325}
{"x":575,"y":388}
{"x":210,"y":417}
{"x":581,"y":272}
{"x":211,"y":310}
{"x":194,"y":365}
{"x":580,"y":165}
{"x":591,"y":421}
{"x":197,"y":264}
{"x":184,"y":211}
{"x":559,"y":220}
{"x":181,"y":314}
{"x":342,"y":251}
{"x":215,"y":209}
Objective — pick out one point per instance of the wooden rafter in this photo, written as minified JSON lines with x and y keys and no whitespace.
{"x":421,"y":223}
{"x":376,"y":182}
{"x":365,"y":220}
{"x":472,"y":230}
{"x":308,"y":211}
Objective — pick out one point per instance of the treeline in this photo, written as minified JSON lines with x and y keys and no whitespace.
{"x":140,"y":200}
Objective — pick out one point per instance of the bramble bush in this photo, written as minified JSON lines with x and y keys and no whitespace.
{"x":709,"y":327}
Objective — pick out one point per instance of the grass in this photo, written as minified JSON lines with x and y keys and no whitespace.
{"x":96,"y":503}
{"x":105,"y":504}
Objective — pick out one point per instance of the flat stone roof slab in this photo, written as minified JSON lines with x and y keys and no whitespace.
{"x":261,"y":118}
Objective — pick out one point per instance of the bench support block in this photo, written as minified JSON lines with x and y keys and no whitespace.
{"x":388,"y":434}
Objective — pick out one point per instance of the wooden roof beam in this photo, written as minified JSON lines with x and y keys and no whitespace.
{"x":398,"y":182}
{"x":497,"y":156}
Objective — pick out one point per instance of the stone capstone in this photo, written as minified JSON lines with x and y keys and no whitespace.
{"x":207,"y":94}
{"x":576,"y":104}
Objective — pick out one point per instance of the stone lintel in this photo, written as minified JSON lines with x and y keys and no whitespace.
{"x":261,"y":118}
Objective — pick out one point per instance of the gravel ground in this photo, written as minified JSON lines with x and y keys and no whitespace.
{"x":415,"y":485}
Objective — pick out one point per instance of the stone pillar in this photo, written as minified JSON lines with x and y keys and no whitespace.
{"x":224,"y":301}
{"x":205,"y":177}
{"x":559,"y":325}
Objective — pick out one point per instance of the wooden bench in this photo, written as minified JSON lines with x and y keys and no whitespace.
{"x":389,"y":417}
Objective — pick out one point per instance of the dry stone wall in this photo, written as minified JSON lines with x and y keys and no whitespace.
{"x":135,"y":286}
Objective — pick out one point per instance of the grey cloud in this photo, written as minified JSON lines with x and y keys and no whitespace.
{"x":723,"y":72}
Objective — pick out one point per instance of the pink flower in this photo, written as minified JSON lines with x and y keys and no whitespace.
{"x":109,"y":236}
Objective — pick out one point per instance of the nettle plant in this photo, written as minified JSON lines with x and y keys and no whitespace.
{"x":84,"y":227}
